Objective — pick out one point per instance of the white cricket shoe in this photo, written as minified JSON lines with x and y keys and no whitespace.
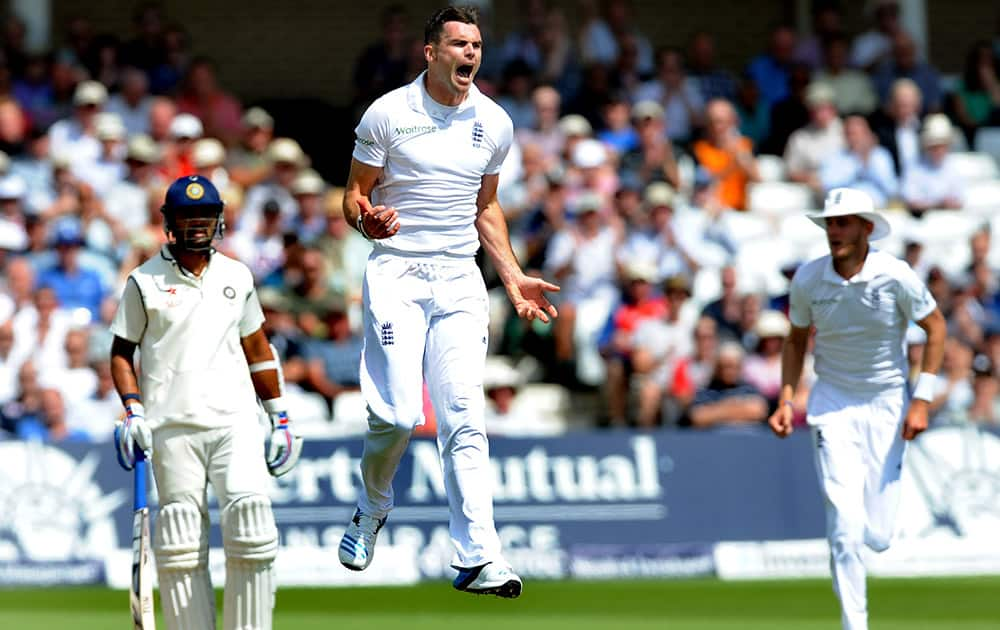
{"x":489,"y":579}
{"x":357,"y":547}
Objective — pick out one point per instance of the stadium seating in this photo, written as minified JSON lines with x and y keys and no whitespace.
{"x":771,"y":168}
{"x":983,"y":197}
{"x":779,"y":198}
{"x":974,"y":166}
{"x":988,"y":141}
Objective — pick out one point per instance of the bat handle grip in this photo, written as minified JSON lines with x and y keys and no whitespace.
{"x":139,"y":495}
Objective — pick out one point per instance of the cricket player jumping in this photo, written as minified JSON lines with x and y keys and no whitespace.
{"x":860,"y":302}
{"x":423,"y":186}
{"x":194,"y":315}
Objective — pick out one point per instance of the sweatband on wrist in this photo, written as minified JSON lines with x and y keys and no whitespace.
{"x":925,"y":387}
{"x":275,"y":405}
{"x":130,"y":396}
{"x":261,"y":366}
{"x":361,"y":227}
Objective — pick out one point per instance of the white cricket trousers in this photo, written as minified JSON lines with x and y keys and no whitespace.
{"x":859,"y":456}
{"x":427,"y":320}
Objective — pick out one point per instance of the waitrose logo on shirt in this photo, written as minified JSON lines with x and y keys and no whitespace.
{"x":405,"y":131}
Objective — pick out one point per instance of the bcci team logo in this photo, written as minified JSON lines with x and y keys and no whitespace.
{"x":53,"y":509}
{"x":477,"y":134}
{"x":194,"y":191}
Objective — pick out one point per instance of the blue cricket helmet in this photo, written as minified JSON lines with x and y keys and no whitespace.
{"x":192,"y":213}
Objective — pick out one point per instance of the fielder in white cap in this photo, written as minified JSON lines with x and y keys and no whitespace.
{"x":861,"y":410}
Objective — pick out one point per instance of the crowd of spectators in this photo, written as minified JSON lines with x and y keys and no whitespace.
{"x":633,"y":182}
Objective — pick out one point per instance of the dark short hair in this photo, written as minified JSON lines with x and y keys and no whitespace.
{"x":435,"y":24}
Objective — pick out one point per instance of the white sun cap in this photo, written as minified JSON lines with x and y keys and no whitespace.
{"x":847,"y":201}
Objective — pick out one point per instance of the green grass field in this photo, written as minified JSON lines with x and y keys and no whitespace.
{"x":918,"y":604}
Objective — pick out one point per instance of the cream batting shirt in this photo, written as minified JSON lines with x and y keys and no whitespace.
{"x":433,"y":159}
{"x":188,"y":330}
{"x":860,"y":323}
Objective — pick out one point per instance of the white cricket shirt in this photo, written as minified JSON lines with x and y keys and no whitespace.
{"x":188,"y":330}
{"x":860,"y":323}
{"x":433,"y":158}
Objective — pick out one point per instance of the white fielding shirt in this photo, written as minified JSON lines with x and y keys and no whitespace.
{"x":860,"y":323}
{"x":188,"y":330}
{"x":433,"y":158}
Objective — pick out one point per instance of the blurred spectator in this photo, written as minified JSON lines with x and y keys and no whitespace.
{"x":976,"y":99}
{"x":20,"y":415}
{"x":310,"y":220}
{"x":286,"y":159}
{"x":515,"y":93}
{"x":126,"y":200}
{"x":853,"y":92}
{"x":261,"y":247}
{"x":73,"y":138}
{"x":581,"y":257}
{"x":520,"y":42}
{"x":332,"y":364}
{"x":42,"y":326}
{"x":601,"y":37}
{"x":933,"y":182}
{"x":505,"y":413}
{"x":74,"y":286}
{"x":661,"y":243}
{"x":984,"y":409}
{"x":762,"y":367}
{"x":661,"y":345}
{"x":14,"y":44}
{"x":678,"y":95}
{"x":712,"y":81}
{"x":726,"y":155}
{"x":79,"y":35}
{"x":381,"y":67}
{"x":201,"y":96}
{"x":616,"y":130}
{"x":103,"y":61}
{"x":108,"y":168}
{"x":726,"y":310}
{"x":185,"y":130}
{"x":790,"y":113}
{"x":653,"y":159}
{"x":701,"y":362}
{"x":308,"y":291}
{"x":591,"y":170}
{"x":574,"y":128}
{"x":827,"y":23}
{"x":809,"y":147}
{"x":753,"y":113}
{"x":13,"y":128}
{"x":208,"y":157}
{"x":10,"y":363}
{"x":596,"y":88}
{"x":97,"y":413}
{"x":727,"y":399}
{"x":874,"y":45}
{"x":863,"y":164}
{"x":50,"y":425}
{"x":953,"y":394}
{"x":34,"y":168}
{"x":770,"y":70}
{"x":545,"y":133}
{"x":165,"y":78}
{"x":162,"y":111}
{"x":345,"y":251}
{"x":77,"y":380}
{"x":146,"y":49}
{"x":34,"y":91}
{"x":897,"y":126}
{"x":904,"y":64}
{"x":751,"y":306}
{"x":640,"y":303}
{"x":557,"y":59}
{"x":247,"y":162}
{"x":133,"y":103}
{"x":626,"y":74}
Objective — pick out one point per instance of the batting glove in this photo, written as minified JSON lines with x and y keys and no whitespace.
{"x":130,"y":432}
{"x":283,"y":446}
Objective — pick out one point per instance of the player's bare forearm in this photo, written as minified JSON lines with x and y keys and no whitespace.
{"x":937,"y":330}
{"x":373,"y":222}
{"x":123,"y":367}
{"x":257,"y":349}
{"x":793,"y":357}
{"x":495,"y":239}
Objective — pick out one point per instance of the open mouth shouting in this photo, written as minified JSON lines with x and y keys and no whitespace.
{"x":464,"y":72}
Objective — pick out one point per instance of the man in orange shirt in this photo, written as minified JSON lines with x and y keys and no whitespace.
{"x":726,"y":155}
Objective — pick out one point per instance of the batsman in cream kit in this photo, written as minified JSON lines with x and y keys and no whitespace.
{"x":193,"y":314}
{"x":423,"y":187}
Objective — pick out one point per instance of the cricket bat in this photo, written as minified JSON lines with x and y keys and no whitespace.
{"x":141,"y":595}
